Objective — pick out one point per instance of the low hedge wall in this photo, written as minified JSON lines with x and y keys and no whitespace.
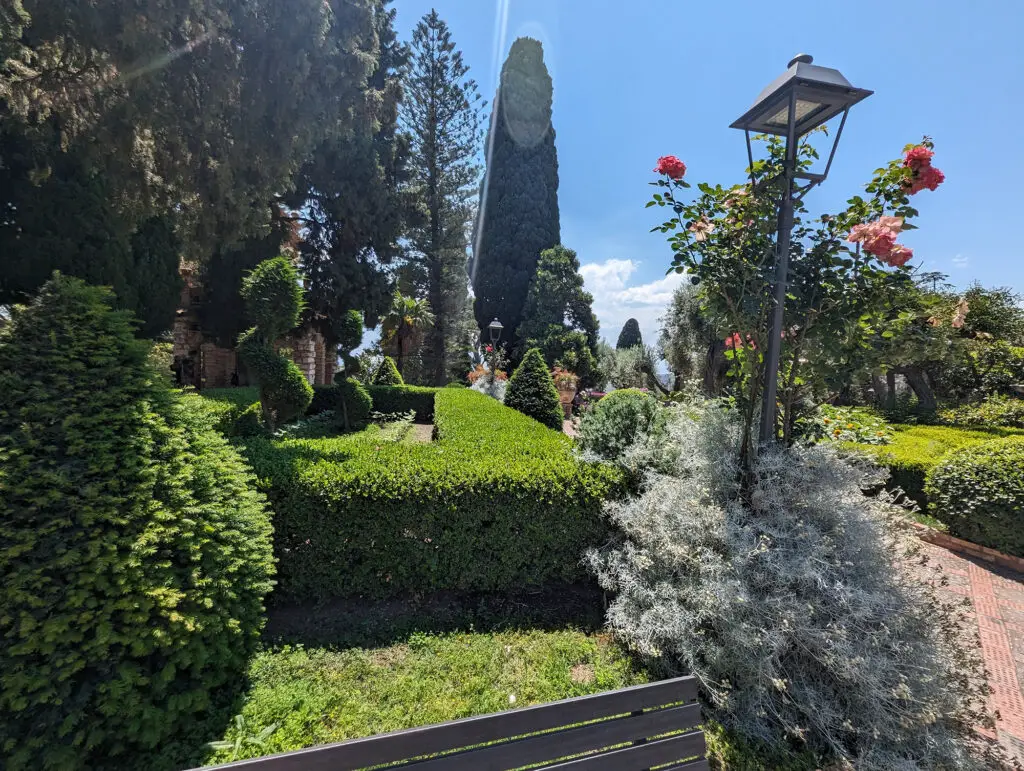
{"x":497,"y":502}
{"x":386,"y":399}
{"x":916,"y":450}
{"x":227,"y":405}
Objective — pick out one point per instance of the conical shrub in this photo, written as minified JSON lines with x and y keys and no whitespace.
{"x":531,"y":390}
{"x":387,"y":373}
{"x":135,"y":553}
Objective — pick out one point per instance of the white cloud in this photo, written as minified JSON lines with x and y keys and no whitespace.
{"x":615,"y":300}
{"x":961,"y":261}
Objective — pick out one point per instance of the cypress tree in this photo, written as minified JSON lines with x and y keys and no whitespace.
{"x":518,"y":214}
{"x":630,"y":336}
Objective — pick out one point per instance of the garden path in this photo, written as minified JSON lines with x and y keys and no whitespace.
{"x":997,"y":595}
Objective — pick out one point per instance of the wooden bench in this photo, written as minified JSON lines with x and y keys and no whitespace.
{"x":630,"y":729}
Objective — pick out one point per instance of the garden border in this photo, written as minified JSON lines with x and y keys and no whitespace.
{"x":947,"y":541}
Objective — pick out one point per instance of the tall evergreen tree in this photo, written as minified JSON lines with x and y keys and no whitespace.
{"x":351,"y":195}
{"x":630,"y":335}
{"x":559,"y":318}
{"x":518,"y":215}
{"x":441,"y":113}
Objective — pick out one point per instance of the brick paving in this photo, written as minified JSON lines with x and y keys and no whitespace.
{"x":998,"y":598}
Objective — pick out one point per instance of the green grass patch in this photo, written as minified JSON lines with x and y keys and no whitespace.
{"x":915,"y":450}
{"x":317,"y":695}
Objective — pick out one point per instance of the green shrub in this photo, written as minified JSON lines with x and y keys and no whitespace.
{"x":497,"y":502}
{"x":532,"y":391}
{"x":844,"y":424}
{"x":135,"y":555}
{"x":618,"y":420}
{"x":978,"y":492}
{"x":1001,"y":411}
{"x":273,"y":297}
{"x":325,"y":397}
{"x":915,"y":450}
{"x":227,"y":404}
{"x":249,"y":422}
{"x":354,"y":403}
{"x":387,"y":373}
{"x":401,"y":399}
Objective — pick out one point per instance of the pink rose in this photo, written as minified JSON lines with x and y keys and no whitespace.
{"x":671,"y":167}
{"x":898,"y":256}
{"x":701,"y":229}
{"x":926,"y":178}
{"x":918,"y":157}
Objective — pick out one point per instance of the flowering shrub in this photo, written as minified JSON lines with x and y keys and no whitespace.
{"x":924,"y":176}
{"x":481,"y":371}
{"x":564,"y":379}
{"x":845,"y":424}
{"x":796,"y":610}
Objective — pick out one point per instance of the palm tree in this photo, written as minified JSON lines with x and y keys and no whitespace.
{"x":403,"y":322}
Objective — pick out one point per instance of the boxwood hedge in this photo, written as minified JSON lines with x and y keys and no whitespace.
{"x":915,"y":450}
{"x":978,"y":492}
{"x":497,"y":502}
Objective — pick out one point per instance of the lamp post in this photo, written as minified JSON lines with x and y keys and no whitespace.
{"x":802,"y":98}
{"x":495,"y":328}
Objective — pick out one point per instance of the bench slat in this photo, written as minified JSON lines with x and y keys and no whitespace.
{"x":640,"y":757}
{"x":427,"y":740}
{"x":560,"y":744}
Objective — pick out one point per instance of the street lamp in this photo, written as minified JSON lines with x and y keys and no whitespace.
{"x":495,"y":328}
{"x":802,"y":98}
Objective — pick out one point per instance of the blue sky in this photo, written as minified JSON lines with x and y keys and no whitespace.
{"x":633,"y":81}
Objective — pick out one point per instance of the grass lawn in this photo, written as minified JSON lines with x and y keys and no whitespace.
{"x":319,"y":695}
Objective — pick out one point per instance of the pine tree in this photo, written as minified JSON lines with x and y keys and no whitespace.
{"x":441,"y":113}
{"x":559,"y":318}
{"x":630,"y":335}
{"x":518,"y":215}
{"x":531,"y":390}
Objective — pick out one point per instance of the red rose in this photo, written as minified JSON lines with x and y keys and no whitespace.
{"x":926,"y":178}
{"x":671,"y":167}
{"x":489,"y":349}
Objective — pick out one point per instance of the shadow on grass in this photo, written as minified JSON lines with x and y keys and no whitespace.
{"x":353,"y":623}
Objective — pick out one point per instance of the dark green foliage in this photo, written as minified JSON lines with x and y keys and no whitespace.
{"x":249,"y":422}
{"x":68,"y":222}
{"x":136,"y":555}
{"x":619,"y":420}
{"x":531,"y":390}
{"x":979,"y":493}
{"x":353,"y":403}
{"x":497,"y":502}
{"x":981,"y":368}
{"x":273,"y":297}
{"x":387,"y":373}
{"x":392,"y":400}
{"x":325,"y":397}
{"x":349,"y":334}
{"x":559,"y":318}
{"x":441,"y":112}
{"x":630,"y":336}
{"x":226,"y":405}
{"x":518,"y":215}
{"x":1002,"y":411}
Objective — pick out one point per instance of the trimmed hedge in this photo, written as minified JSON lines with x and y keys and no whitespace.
{"x":531,"y":390}
{"x":135,"y":553}
{"x":498,"y":502}
{"x":978,"y":492}
{"x":386,"y":399}
{"x":387,"y":373}
{"x":915,"y":450}
{"x":226,"y":405}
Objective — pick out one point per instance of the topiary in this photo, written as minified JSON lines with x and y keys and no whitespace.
{"x":273,"y":298}
{"x":249,"y":422}
{"x":136,"y":554}
{"x":630,"y":336}
{"x":979,"y":493}
{"x":350,"y":334}
{"x":618,"y":421}
{"x":387,"y":373}
{"x":354,"y":402}
{"x":532,"y":391}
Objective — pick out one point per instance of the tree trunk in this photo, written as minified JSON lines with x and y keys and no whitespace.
{"x":715,"y":366}
{"x":890,"y":389}
{"x":878,"y":384}
{"x":921,"y":387}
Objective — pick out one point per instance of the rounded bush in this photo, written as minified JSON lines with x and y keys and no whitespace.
{"x":979,"y":493}
{"x":354,"y":403}
{"x":618,"y":420}
{"x":387,"y":373}
{"x":532,"y":391}
{"x":136,"y":553}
